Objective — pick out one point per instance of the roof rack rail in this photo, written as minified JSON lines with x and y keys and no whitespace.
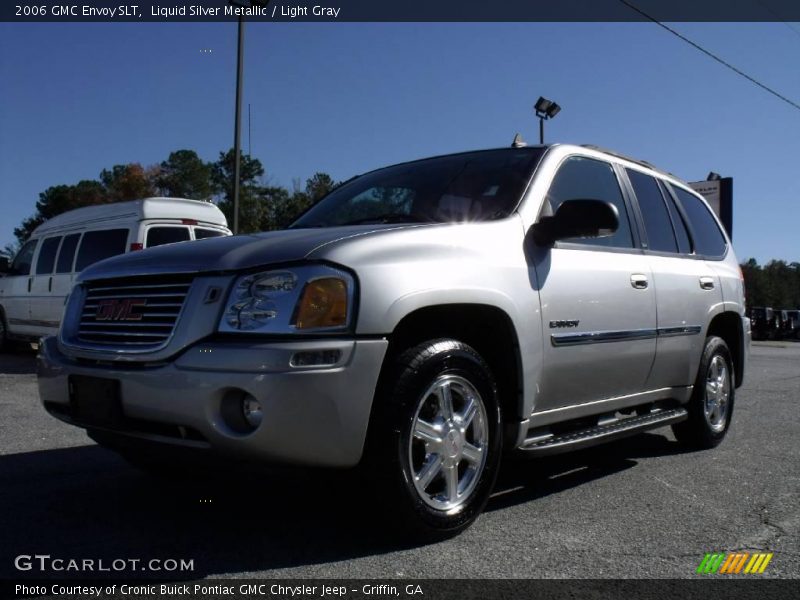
{"x":638,"y":161}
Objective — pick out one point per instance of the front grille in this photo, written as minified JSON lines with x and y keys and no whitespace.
{"x":134,"y":313}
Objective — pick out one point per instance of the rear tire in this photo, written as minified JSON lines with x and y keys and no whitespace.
{"x":711,"y":406}
{"x":435,"y":439}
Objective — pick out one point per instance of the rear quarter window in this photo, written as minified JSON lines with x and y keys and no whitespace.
{"x":708,"y":238}
{"x":201,"y":234}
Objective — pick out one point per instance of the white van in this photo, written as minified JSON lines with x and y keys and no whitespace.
{"x":33,"y":289}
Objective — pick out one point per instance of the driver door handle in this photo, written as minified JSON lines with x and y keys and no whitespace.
{"x":639,"y":281}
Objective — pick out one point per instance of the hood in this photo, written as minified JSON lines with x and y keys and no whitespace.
{"x":226,"y":253}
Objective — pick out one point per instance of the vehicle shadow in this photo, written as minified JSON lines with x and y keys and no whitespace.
{"x":19,"y":360}
{"x":85,"y":502}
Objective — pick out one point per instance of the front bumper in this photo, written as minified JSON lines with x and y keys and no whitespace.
{"x":312,"y":416}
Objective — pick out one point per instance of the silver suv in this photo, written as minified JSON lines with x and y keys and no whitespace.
{"x":419,"y":321}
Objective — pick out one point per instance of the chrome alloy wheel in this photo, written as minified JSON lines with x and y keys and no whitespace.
{"x":718,"y":391}
{"x":449,"y":442}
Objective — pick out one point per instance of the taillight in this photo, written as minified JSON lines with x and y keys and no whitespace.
{"x":741,"y":276}
{"x":189,"y":221}
{"x":136,"y":246}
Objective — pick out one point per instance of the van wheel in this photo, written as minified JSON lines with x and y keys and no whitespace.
{"x":711,"y":406}
{"x":435,"y":438}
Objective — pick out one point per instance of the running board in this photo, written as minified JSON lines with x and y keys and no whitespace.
{"x":600,"y":434}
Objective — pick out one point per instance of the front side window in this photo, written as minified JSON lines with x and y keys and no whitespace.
{"x":580,"y":178}
{"x":657,"y":222}
{"x":66,"y":255}
{"x":97,"y":245}
{"x":158,"y":236}
{"x":23,"y":259}
{"x":708,"y":239}
{"x":47,"y":256}
{"x":474,"y":186}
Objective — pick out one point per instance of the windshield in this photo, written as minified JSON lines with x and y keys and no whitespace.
{"x":474,"y":186}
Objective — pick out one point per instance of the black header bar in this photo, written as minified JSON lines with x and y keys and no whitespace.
{"x":400,"y":10}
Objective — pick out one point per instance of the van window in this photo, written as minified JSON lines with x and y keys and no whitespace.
{"x":47,"y":256}
{"x":657,"y":222}
{"x":158,"y":236}
{"x":23,"y":259}
{"x":201,"y":234}
{"x":581,"y":178}
{"x":708,"y":239}
{"x":97,"y":245}
{"x":66,"y":256}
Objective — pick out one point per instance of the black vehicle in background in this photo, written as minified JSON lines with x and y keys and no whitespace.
{"x":790,"y":324}
{"x":764,"y":323}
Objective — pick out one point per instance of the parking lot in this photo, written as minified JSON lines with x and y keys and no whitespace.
{"x":641,"y":507}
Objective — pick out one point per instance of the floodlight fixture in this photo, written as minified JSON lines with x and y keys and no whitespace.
{"x":545,"y":109}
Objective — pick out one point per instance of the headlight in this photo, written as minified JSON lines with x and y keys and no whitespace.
{"x":306,"y":299}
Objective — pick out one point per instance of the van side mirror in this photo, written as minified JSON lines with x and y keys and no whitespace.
{"x":577,"y":219}
{"x":5,"y":267}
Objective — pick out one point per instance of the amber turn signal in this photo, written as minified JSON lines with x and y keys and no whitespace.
{"x":323,"y":303}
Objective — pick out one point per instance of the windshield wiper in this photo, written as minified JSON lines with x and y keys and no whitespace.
{"x":389,"y":218}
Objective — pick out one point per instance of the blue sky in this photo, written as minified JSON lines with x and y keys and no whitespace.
{"x":345,"y":98}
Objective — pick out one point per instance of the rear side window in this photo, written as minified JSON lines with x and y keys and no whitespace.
{"x":23,"y":259}
{"x":158,"y":236}
{"x":708,"y":239}
{"x":97,"y":245}
{"x":47,"y":256}
{"x":681,"y":232}
{"x":201,"y":234}
{"x":588,"y":179}
{"x":657,"y":223}
{"x":67,"y":253}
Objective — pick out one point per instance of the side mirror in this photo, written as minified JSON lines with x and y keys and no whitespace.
{"x":4,"y":266}
{"x":577,"y":219}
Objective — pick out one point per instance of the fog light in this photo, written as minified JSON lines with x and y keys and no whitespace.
{"x":240,"y":411}
{"x":251,"y":410}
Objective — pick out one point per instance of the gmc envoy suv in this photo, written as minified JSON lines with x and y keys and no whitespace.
{"x":420,"y":321}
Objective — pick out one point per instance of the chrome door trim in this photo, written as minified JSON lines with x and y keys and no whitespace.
{"x":599,"y":337}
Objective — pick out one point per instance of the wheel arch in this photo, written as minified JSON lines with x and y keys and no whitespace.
{"x":486,"y":328}
{"x":728,"y":326}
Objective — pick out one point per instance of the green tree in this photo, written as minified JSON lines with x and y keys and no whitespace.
{"x":253,"y":209}
{"x":185,"y":175}
{"x":61,"y":198}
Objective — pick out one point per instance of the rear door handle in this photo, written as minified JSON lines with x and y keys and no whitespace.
{"x":30,"y":279}
{"x":707,"y":283}
{"x":639,"y":281}
{"x":50,"y":284}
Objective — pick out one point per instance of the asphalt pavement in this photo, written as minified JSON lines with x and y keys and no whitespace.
{"x":637,"y":508}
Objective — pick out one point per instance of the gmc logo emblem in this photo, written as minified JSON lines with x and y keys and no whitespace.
{"x":115,"y":309}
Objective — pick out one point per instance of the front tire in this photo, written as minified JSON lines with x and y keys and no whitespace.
{"x":435,"y":438}
{"x":711,"y":406}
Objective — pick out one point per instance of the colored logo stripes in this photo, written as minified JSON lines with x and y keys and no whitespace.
{"x":734,"y":562}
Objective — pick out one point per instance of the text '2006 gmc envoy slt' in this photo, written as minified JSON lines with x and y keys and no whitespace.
{"x":420,"y":321}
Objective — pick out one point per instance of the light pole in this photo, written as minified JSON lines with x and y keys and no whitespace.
{"x":545,"y":109}
{"x":237,"y":125}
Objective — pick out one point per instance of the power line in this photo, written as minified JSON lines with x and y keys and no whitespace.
{"x":777,"y":16}
{"x":713,"y":56}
